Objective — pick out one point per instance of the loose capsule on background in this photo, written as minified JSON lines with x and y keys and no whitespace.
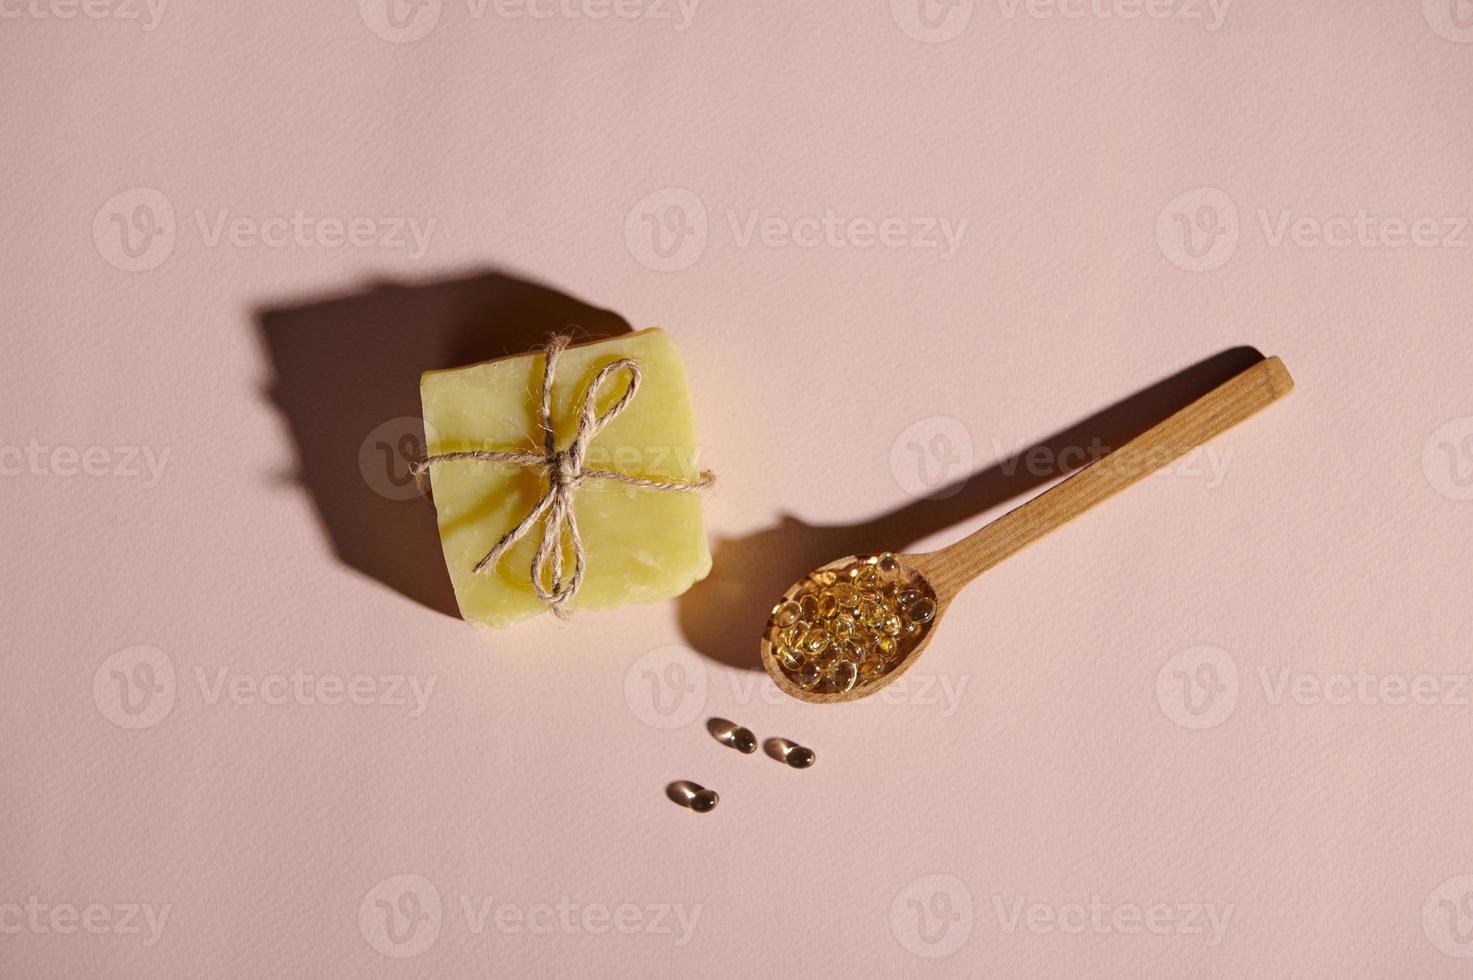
{"x":730,"y":733}
{"x":744,"y":740}
{"x":799,"y":757}
{"x":693,"y":796}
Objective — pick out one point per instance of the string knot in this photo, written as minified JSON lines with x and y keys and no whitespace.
{"x":565,"y":472}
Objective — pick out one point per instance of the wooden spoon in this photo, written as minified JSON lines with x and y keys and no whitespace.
{"x":941,"y":575}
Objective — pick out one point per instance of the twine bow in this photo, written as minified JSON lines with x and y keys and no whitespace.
{"x":565,"y":474}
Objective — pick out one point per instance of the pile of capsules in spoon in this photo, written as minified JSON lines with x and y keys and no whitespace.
{"x":845,"y":627}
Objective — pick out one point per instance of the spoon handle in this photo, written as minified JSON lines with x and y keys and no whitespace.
{"x":1225,"y":406}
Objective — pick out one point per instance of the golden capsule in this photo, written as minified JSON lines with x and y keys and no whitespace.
{"x":798,"y":756}
{"x":693,"y":795}
{"x":887,"y":646}
{"x":888,"y":563}
{"x":817,"y":641}
{"x":790,"y":657}
{"x":872,"y":613}
{"x":828,"y":662}
{"x":730,"y":733}
{"x":827,"y":605}
{"x":846,"y":675}
{"x":892,"y":626}
{"x":785,"y":614}
{"x":846,"y":595}
{"x":807,"y":675}
{"x":843,"y":625}
{"x":921,"y":611}
{"x":808,"y":608}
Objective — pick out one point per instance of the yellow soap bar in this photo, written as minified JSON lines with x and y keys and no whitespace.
{"x":640,"y":544}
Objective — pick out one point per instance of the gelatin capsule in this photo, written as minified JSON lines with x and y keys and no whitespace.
{"x":785,"y":614}
{"x":892,"y":625}
{"x":743,"y":739}
{"x":799,"y":757}
{"x":730,"y":733}
{"x":846,"y":595}
{"x":693,"y":796}
{"x":886,"y":645}
{"x":808,"y":608}
{"x":921,"y":611}
{"x":907,"y":596}
{"x":827,"y":605}
{"x":843,"y":625}
{"x":817,"y":641}
{"x":846,"y":675}
{"x":792,"y":637}
{"x":790,"y":657}
{"x":889,"y":564}
{"x":808,"y":675}
{"x":872,"y":613}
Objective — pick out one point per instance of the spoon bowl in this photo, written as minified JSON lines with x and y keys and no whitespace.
{"x":899,"y":605}
{"x":810,"y":646}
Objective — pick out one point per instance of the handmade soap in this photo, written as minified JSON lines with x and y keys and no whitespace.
{"x":640,"y":545}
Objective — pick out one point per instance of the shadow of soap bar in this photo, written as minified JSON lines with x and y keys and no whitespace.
{"x":640,"y":545}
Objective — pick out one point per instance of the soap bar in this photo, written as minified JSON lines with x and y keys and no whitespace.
{"x":640,"y":544}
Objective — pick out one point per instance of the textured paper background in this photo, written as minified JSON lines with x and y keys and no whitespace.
{"x":1109,"y":720}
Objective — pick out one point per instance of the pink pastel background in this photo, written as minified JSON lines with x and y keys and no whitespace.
{"x":1147,"y":712}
